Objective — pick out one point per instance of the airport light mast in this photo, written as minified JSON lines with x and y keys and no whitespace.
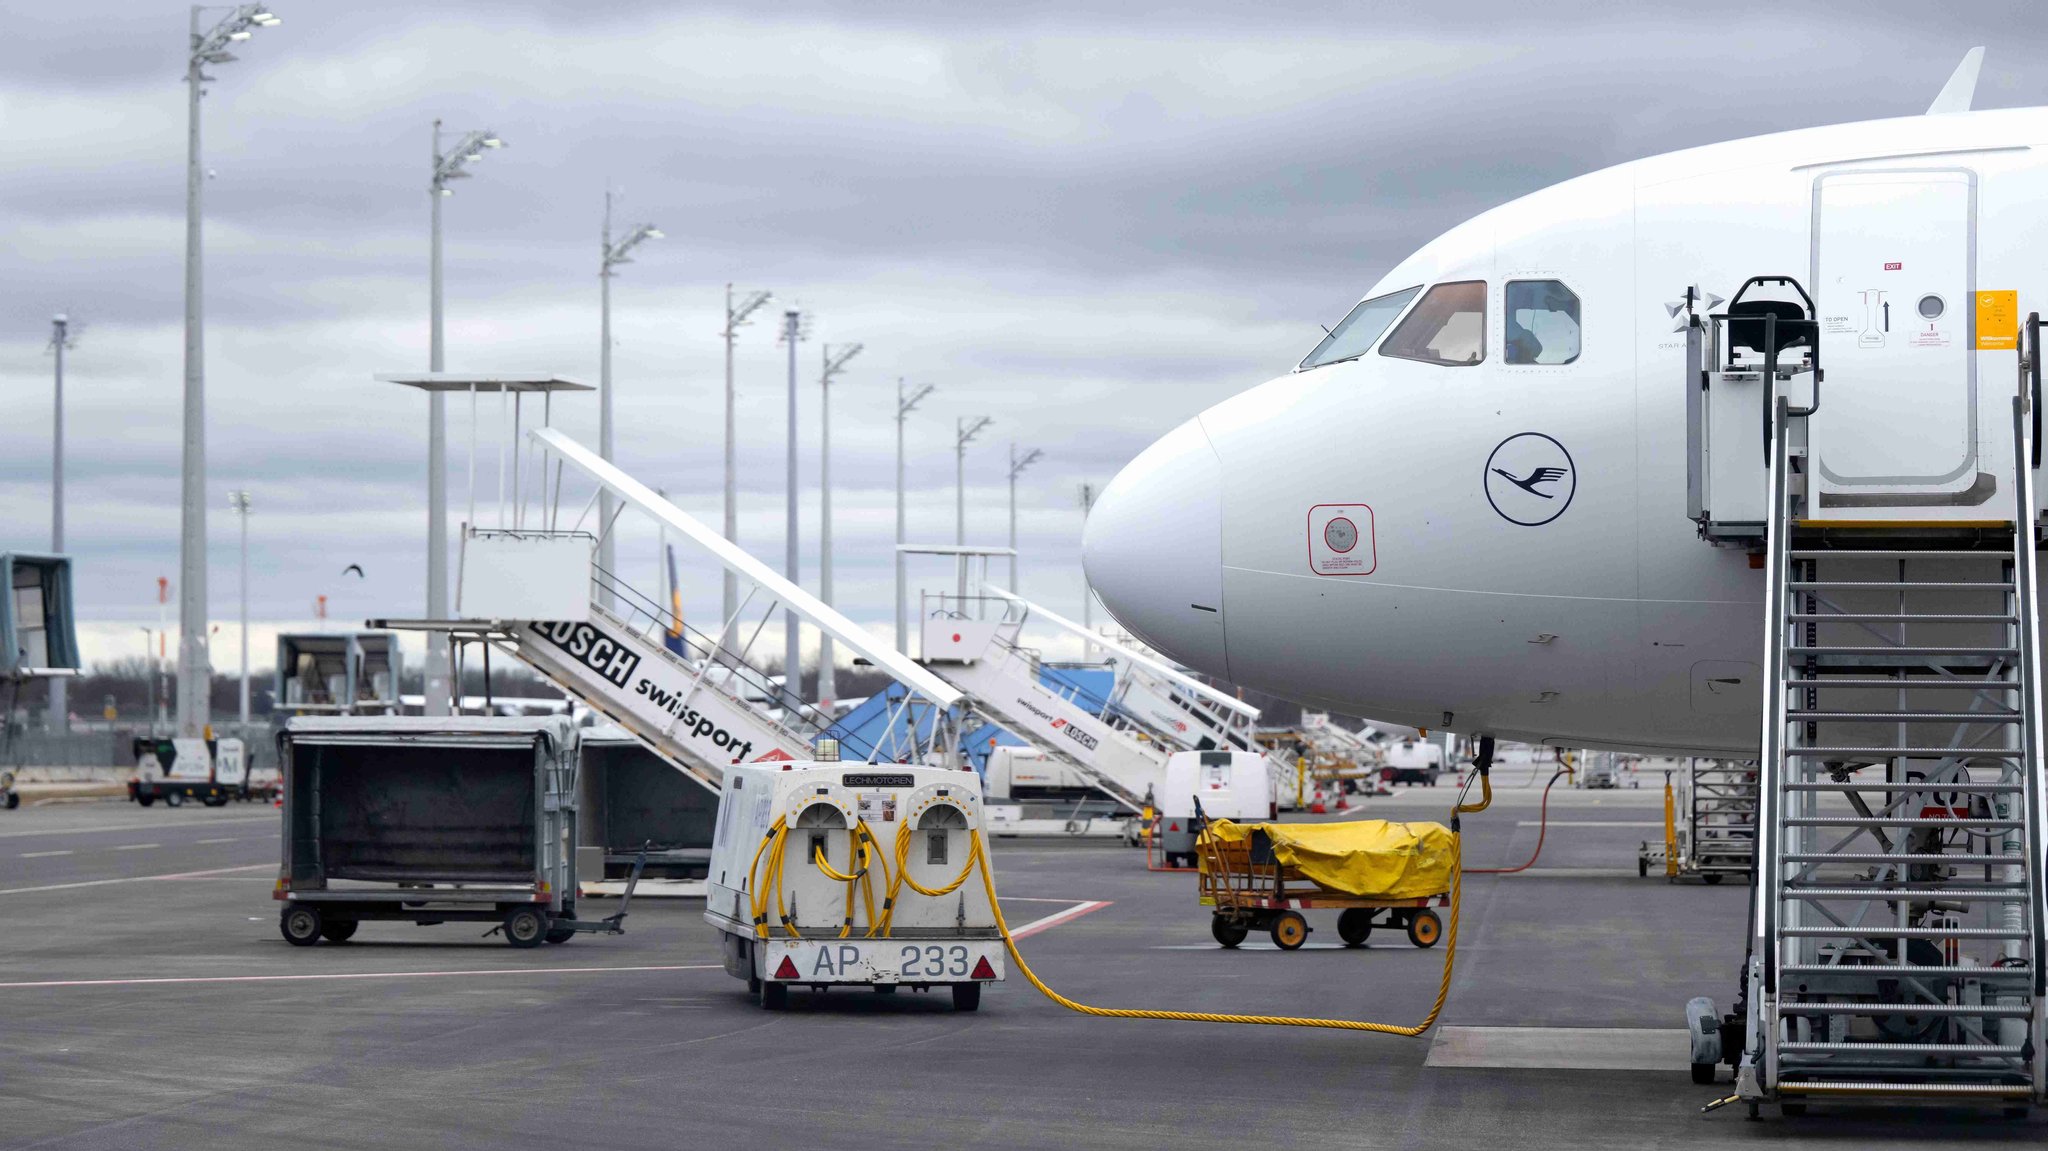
{"x":793,"y":333}
{"x":613,"y":256}
{"x":735,"y":317}
{"x":833,"y":365}
{"x":905,"y":404}
{"x":1017,"y":466}
{"x":61,"y":339}
{"x":450,"y":165}
{"x":195,"y":672}
{"x":968,"y":429}
{"x":239,"y":501}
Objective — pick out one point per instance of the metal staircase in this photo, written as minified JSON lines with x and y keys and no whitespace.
{"x":1721,"y":805}
{"x":1897,"y":933}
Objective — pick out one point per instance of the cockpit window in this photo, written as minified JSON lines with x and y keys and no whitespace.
{"x":1447,"y":327}
{"x":1542,"y":322}
{"x":1354,"y":335}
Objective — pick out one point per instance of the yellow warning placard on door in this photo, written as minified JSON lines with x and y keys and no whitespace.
{"x":1998,"y":321}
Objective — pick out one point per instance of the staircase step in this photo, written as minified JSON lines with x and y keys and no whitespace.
{"x":1913,"y":1048}
{"x":1897,"y":649}
{"x":1995,"y":1011}
{"x":1907,"y":716}
{"x":1866,"y":1087}
{"x":1896,"y":617}
{"x":1903,"y":933}
{"x":2013,"y":894}
{"x":1901,"y":585}
{"x":2000,"y":973}
{"x":1900,"y":857}
{"x":1897,"y":553}
{"x":1910,"y":684}
{"x":1936,"y":752}
{"x":1897,"y":821}
{"x":1972,"y":788}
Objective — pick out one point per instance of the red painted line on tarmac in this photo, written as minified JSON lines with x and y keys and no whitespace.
{"x":1053,"y":920}
{"x":354,"y":975}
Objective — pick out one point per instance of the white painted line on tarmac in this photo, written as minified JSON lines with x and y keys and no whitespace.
{"x":230,"y":839}
{"x":1034,"y":899}
{"x":1059,"y":917}
{"x":137,"y":846}
{"x":1590,"y":823}
{"x":135,"y":826}
{"x":353,"y":975}
{"x":137,"y":879}
{"x":1553,"y":1048}
{"x":42,"y":854}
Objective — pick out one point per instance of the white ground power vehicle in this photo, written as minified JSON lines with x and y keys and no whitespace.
{"x":1224,"y":784}
{"x":825,"y":874}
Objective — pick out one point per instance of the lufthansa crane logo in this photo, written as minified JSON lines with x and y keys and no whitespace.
{"x":1530,"y":479}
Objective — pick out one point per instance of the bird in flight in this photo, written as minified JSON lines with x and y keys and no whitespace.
{"x":1539,"y":476}
{"x":358,"y":568}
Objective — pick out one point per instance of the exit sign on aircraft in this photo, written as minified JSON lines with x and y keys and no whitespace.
{"x":1894,"y":265}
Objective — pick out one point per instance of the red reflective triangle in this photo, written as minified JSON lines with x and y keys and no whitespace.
{"x":982,"y":970}
{"x":787,"y":970}
{"x":1174,"y":826}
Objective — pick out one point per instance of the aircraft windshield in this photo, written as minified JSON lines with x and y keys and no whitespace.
{"x":1355,"y":335}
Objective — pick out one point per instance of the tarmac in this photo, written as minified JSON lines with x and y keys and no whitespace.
{"x":150,"y":1002}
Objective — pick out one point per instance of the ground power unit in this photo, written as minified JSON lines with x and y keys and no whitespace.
{"x":830,"y":874}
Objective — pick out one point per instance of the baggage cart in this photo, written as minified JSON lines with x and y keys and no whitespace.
{"x":1249,"y":889}
{"x":430,"y":820}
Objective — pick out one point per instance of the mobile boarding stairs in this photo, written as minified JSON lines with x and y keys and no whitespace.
{"x":532,"y":586}
{"x":1896,"y":943}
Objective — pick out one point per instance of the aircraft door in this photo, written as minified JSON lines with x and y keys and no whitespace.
{"x":1894,"y":278}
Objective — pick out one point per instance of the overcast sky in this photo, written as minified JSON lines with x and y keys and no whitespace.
{"x":1086,"y":221}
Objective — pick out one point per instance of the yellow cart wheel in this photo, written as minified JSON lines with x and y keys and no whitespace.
{"x":1290,"y":931}
{"x":1424,"y":928}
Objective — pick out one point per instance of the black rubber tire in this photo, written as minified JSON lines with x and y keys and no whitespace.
{"x":13,"y":800}
{"x":967,"y":997}
{"x":884,"y":988}
{"x":337,"y":930}
{"x":1354,"y":925}
{"x":174,"y":799}
{"x":1289,"y":931}
{"x":1712,"y":878}
{"x":775,"y":997}
{"x":300,"y":925}
{"x":1792,"y":1110}
{"x":1642,"y":868}
{"x":560,"y":934}
{"x":1228,"y":932}
{"x":1424,"y":928}
{"x":215,"y":801}
{"x":2016,"y":1111}
{"x":525,"y":927}
{"x":754,"y":986}
{"x":145,"y":800}
{"x":1704,"y":1072}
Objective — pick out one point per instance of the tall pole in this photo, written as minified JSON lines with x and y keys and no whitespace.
{"x":445,"y":166}
{"x":736,"y":314}
{"x":194,"y":674}
{"x":239,"y":500}
{"x":1017,"y":466}
{"x":792,"y":667}
{"x":967,"y":432}
{"x":60,"y":338}
{"x":829,"y":366}
{"x":904,"y":405}
{"x":437,"y":688}
{"x":605,"y":551}
{"x":828,"y":686}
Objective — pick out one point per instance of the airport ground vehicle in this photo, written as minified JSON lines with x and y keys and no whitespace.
{"x":214,"y":772}
{"x":1251,"y":888}
{"x":1204,"y":785}
{"x":831,"y":874}
{"x":430,"y":819}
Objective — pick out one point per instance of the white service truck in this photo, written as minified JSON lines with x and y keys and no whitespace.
{"x":1204,"y":785}
{"x":212,"y":771}
{"x":831,"y":874}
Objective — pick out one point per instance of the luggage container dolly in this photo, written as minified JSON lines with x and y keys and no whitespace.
{"x":1251,"y":890}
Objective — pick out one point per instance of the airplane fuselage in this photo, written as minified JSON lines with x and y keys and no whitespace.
{"x":1489,"y":532}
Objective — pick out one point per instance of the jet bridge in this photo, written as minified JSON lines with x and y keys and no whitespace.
{"x":1896,"y":936}
{"x":532,"y":586}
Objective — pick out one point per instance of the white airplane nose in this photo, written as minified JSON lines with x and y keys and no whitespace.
{"x":1153,"y":548}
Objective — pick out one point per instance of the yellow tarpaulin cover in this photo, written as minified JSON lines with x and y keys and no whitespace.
{"x":1367,"y":857}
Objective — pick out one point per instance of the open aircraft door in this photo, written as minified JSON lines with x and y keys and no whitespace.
{"x":1894,"y":276}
